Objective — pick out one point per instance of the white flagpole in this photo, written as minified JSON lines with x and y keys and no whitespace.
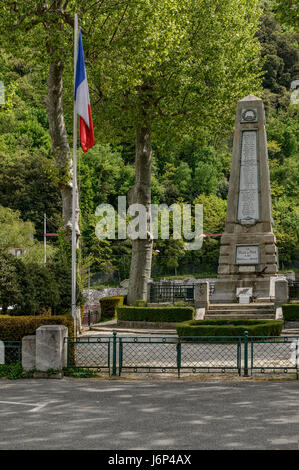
{"x":74,"y":198}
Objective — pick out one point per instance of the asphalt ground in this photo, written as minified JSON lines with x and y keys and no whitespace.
{"x":135,"y":415}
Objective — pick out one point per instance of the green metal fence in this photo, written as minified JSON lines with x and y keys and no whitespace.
{"x":241,"y":355}
{"x":11,"y":351}
{"x":89,"y":352}
{"x":171,"y":293}
{"x":294,"y":290}
{"x":275,"y":353}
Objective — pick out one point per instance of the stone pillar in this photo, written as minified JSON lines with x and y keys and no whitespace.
{"x":28,"y":352}
{"x":2,"y":352}
{"x":248,"y":253}
{"x":51,"y":347}
{"x":281,"y":292}
{"x":201,"y":295}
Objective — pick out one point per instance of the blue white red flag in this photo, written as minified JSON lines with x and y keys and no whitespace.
{"x":82,"y":101}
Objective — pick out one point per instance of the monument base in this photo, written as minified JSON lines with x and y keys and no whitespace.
{"x":226,"y":289}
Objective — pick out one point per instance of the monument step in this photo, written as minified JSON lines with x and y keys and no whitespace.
{"x":239,"y":316}
{"x":241,"y":307}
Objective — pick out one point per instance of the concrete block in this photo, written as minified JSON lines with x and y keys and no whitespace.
{"x":28,"y":352}
{"x":201,"y":295}
{"x":281,"y":292}
{"x":51,"y":347}
{"x":2,"y":352}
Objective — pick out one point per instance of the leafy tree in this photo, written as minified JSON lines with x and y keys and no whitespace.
{"x":170,"y":66}
{"x":27,"y":185}
{"x":10,"y":291}
{"x":280,"y":54}
{"x":14,"y":233}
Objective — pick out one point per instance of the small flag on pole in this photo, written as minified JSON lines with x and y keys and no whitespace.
{"x":82,"y":101}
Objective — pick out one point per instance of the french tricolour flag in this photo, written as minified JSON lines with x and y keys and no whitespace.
{"x":82,"y":102}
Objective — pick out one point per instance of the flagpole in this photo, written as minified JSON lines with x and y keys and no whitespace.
{"x":74,"y":193}
{"x":45,"y":239}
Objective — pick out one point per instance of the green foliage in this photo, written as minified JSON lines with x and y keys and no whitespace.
{"x":280,"y":54}
{"x":10,"y":290}
{"x":109,"y":305}
{"x":290,"y":312}
{"x":15,"y":328}
{"x":184,"y":65}
{"x":155,"y":314}
{"x":79,"y":372}
{"x":14,"y":233}
{"x":12,"y":371}
{"x":286,"y":216}
{"x":231,"y":327}
{"x":27,"y":185}
{"x":39,"y":290}
{"x":32,"y":288}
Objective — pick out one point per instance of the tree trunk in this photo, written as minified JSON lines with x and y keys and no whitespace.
{"x":60,"y":146}
{"x":140,"y":270}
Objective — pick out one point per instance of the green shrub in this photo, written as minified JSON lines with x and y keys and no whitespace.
{"x":290,"y":312}
{"x":12,"y":371}
{"x":230,"y":328}
{"x":109,"y":305}
{"x":155,"y":314}
{"x":14,"y":328}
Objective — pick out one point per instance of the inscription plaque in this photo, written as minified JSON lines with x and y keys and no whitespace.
{"x":248,"y":204}
{"x":248,"y":254}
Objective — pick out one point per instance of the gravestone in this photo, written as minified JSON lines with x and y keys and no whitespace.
{"x":248,"y":253}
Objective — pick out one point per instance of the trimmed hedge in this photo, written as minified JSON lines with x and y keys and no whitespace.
{"x":109,"y":305}
{"x":155,"y":314}
{"x":140,"y":303}
{"x":290,"y":312}
{"x":14,"y":328}
{"x":230,"y":328}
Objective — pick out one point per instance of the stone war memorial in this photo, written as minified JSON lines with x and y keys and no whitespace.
{"x":248,"y":267}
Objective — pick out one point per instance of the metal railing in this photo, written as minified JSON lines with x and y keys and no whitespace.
{"x":249,"y":355}
{"x":274,"y":353}
{"x":171,"y":293}
{"x":179,"y":354}
{"x":11,"y":352}
{"x":90,"y":352}
{"x":294,"y":290}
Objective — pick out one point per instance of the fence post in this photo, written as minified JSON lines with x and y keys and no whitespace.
{"x":114,"y":355}
{"x":246,"y":354}
{"x":179,"y":355}
{"x":120,"y":355}
{"x":297,"y":357}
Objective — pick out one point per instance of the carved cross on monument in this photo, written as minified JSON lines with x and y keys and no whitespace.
{"x":248,"y":253}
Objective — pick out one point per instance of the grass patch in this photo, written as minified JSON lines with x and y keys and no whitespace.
{"x":12,"y":371}
{"x":80,"y":372}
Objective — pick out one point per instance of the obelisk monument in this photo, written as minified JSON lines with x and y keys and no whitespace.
{"x":248,"y":253}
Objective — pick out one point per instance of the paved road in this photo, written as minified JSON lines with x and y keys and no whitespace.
{"x":118,"y":415}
